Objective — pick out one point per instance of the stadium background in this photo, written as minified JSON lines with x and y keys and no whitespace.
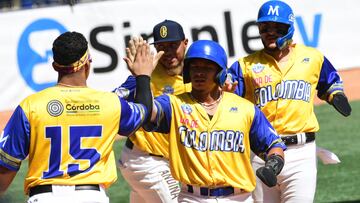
{"x":326,"y":25}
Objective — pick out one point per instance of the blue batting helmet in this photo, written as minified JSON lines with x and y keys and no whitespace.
{"x":210,"y":50}
{"x":278,"y":12}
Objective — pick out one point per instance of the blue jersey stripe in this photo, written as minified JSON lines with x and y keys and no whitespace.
{"x":132,"y":115}
{"x":328,"y":79}
{"x":262,"y":134}
{"x":15,"y":140}
{"x":164,"y":113}
{"x":127,"y":89}
{"x":237,"y":75}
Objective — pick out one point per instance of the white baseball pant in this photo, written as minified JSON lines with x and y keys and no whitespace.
{"x":296,"y":181}
{"x":66,"y":193}
{"x":148,"y":176}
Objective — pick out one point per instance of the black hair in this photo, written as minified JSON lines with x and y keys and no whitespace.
{"x":69,"y":47}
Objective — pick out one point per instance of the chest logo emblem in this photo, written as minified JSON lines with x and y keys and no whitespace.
{"x":186,"y":108}
{"x":258,"y":68}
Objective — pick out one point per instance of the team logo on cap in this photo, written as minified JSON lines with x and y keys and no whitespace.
{"x":55,"y":108}
{"x":163,"y":31}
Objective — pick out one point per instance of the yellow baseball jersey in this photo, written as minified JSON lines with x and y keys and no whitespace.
{"x":161,"y":83}
{"x":68,"y":134}
{"x":214,"y":152}
{"x":286,"y":95}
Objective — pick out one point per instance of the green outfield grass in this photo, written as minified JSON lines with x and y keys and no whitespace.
{"x":336,"y":183}
{"x":339,"y":183}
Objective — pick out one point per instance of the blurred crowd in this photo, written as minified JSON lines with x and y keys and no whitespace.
{"x":6,"y":5}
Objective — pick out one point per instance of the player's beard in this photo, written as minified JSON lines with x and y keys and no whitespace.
{"x":174,"y":69}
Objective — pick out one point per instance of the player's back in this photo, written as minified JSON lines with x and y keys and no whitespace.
{"x":71,"y":135}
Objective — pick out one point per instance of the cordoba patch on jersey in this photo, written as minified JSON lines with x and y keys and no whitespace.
{"x":55,"y":108}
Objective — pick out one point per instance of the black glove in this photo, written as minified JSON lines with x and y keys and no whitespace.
{"x":341,"y":104}
{"x":272,"y":168}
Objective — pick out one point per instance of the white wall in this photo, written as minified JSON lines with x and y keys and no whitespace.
{"x":26,"y":36}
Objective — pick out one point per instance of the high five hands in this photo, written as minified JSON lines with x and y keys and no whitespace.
{"x":139,"y":58}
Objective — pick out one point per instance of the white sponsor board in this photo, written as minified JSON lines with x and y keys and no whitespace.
{"x":27,"y":36}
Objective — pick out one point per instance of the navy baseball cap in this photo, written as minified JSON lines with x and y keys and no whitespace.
{"x":168,"y":31}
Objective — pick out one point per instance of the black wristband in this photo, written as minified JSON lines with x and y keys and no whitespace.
{"x":143,"y":93}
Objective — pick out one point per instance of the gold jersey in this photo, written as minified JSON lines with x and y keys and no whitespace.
{"x":68,"y":134}
{"x":214,"y":152}
{"x":286,"y":95}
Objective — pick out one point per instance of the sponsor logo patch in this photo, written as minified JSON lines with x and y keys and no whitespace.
{"x":305,"y":60}
{"x":234,"y":109}
{"x":55,"y":108}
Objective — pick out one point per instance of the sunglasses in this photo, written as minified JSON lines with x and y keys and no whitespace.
{"x":280,"y":29}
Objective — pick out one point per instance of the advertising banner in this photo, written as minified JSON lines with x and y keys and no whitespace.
{"x":27,"y":35}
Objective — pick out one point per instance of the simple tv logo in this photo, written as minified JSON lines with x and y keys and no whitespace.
{"x":34,"y":53}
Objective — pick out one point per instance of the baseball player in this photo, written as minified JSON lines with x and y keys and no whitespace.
{"x":282,"y":80}
{"x":143,"y":162}
{"x":67,"y":131}
{"x":212,"y":133}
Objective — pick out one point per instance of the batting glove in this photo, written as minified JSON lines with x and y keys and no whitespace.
{"x":272,"y":168}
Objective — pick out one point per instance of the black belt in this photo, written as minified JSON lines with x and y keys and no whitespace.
{"x":129,"y":144}
{"x":48,"y":188}
{"x":293,"y":139}
{"x":220,"y":191}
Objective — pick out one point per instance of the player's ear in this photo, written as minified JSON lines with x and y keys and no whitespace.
{"x":221,"y":77}
{"x":87,"y":69}
{"x":186,"y":41}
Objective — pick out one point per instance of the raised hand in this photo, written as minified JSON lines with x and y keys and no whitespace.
{"x":134,"y":43}
{"x":144,"y":61}
{"x":229,"y":85}
{"x":131,"y":51}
